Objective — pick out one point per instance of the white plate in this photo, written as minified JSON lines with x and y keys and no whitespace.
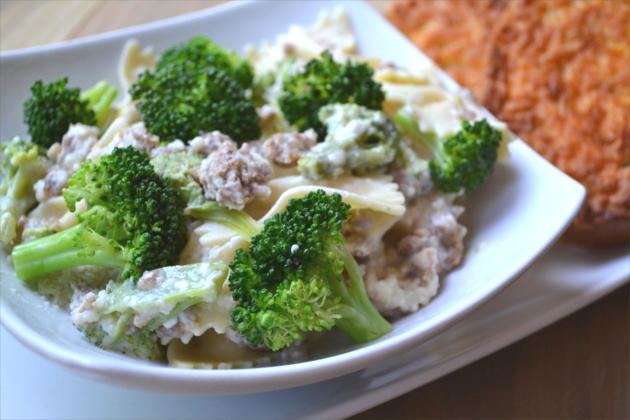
{"x":562,"y":281}
{"x":515,"y":217}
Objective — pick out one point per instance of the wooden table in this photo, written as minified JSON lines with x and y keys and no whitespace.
{"x":575,"y":368}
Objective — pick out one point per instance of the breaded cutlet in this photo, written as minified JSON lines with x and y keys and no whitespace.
{"x":453,"y":33}
{"x":558,"y":72}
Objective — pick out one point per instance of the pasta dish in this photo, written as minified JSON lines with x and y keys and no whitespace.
{"x":218,"y":210}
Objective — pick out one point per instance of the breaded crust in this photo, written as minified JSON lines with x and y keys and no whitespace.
{"x":558,"y":72}
{"x":453,"y":33}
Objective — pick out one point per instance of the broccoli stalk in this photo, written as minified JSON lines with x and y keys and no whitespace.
{"x":359,"y":319}
{"x":293,"y":278}
{"x":237,"y":220}
{"x":323,"y":82}
{"x":100,"y":98}
{"x":72,"y":247}
{"x":134,"y":221}
{"x":51,"y":108}
{"x":407,"y":158}
{"x":166,"y":292}
{"x":21,"y":165}
{"x":359,"y":141}
{"x":462,"y":161}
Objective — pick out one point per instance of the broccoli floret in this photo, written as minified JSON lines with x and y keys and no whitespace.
{"x":21,"y":165}
{"x":176,"y":167}
{"x":51,"y":108}
{"x":134,"y":221}
{"x":198,"y":86}
{"x":60,"y":286}
{"x":359,"y":141}
{"x":462,"y":161}
{"x":298,"y":276}
{"x":261,"y":86}
{"x":267,"y":86}
{"x":140,"y":343}
{"x":323,"y":82}
{"x":266,"y":90}
{"x":180,"y":101}
{"x":204,"y":53}
{"x":124,"y":316}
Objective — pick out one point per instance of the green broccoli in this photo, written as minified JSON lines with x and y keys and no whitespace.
{"x":37,"y":231}
{"x":21,"y":165}
{"x":180,"y":101}
{"x":407,"y":158}
{"x":359,"y":141}
{"x":266,"y":90}
{"x":59,"y":287}
{"x":323,"y":82}
{"x":134,"y":221}
{"x":267,"y":86}
{"x":176,"y":167}
{"x":236,"y":220}
{"x":298,"y":276}
{"x":125,"y":315}
{"x":204,"y":53}
{"x":51,"y":108}
{"x":261,"y":87}
{"x":462,"y":161}
{"x":141,"y":343}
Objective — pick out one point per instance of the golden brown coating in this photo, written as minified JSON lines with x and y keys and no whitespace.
{"x":558,"y":72}
{"x":453,"y":33}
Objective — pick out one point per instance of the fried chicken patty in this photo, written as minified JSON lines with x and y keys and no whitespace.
{"x":558,"y":72}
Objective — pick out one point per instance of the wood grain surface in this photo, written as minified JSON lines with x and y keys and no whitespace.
{"x":576,"y":368}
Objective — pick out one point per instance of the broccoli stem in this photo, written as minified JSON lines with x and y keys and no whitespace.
{"x":119,"y":330}
{"x":60,"y":250}
{"x":100,"y":97}
{"x":236,"y":220}
{"x":410,"y":127}
{"x":413,"y":164}
{"x":360,"y":320}
{"x":179,"y":307}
